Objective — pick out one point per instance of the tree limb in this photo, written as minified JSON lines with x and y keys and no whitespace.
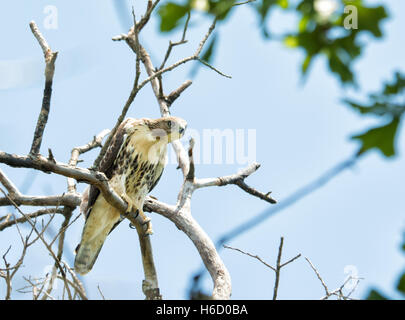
{"x":50,"y":58}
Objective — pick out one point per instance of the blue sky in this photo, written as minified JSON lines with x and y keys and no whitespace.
{"x":302,"y":130}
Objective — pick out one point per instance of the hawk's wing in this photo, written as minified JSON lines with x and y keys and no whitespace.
{"x":106,"y":166}
{"x":159,"y":170}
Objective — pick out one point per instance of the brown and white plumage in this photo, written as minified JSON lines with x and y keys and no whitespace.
{"x":133,"y":164}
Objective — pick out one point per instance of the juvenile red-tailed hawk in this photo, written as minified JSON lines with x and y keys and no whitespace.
{"x":133,"y":163}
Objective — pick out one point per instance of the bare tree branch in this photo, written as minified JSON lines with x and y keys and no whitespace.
{"x":252,"y":256}
{"x":149,"y":9}
{"x":213,"y":68}
{"x":33,"y":215}
{"x":101,"y":293}
{"x":42,"y":164}
{"x":9,"y":272}
{"x":76,"y":152}
{"x":173,"y":44}
{"x":67,"y":212}
{"x":65,"y":199}
{"x":50,"y":58}
{"x":176,"y":93}
{"x":150,"y":286}
{"x":339,"y":291}
{"x":40,"y":236}
{"x":236,"y":179}
{"x":276,"y":269}
{"x":78,"y":285}
{"x":9,"y":185}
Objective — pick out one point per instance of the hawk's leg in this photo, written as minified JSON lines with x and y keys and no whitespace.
{"x":132,"y":207}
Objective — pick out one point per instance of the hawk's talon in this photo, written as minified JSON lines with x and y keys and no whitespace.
{"x":146,"y":220}
{"x":148,"y":225}
{"x":136,"y":213}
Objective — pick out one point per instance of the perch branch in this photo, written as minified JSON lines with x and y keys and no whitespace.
{"x":150,"y":286}
{"x":40,"y":163}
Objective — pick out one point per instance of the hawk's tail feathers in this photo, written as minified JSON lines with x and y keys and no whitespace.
{"x":101,"y":220}
{"x":86,"y":257}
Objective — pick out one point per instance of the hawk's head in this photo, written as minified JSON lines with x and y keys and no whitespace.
{"x":166,"y":129}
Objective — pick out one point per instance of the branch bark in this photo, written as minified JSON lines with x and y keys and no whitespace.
{"x":50,"y":58}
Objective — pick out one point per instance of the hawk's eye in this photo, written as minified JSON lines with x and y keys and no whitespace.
{"x":169,"y":124}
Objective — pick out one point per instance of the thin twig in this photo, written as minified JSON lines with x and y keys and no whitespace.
{"x":33,"y":215}
{"x":9,"y":185}
{"x":213,"y":68}
{"x":173,"y":44}
{"x":319,"y":277}
{"x":40,"y":235}
{"x":101,"y":293}
{"x":252,"y":256}
{"x":337,"y":292}
{"x":277,"y":269}
{"x":67,"y":212}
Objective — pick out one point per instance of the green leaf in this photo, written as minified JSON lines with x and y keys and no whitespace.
{"x":381,"y":138}
{"x":221,"y":8}
{"x":397,"y":86}
{"x":283,"y":3}
{"x":378,"y":109}
{"x":386,"y":101}
{"x":303,"y":24}
{"x":170,"y":15}
{"x":207,"y":55}
{"x":340,"y":67}
{"x":375,"y":295}
{"x":291,"y":41}
{"x":401,"y":284}
{"x":403,"y":244}
{"x":371,"y":18}
{"x":306,"y":64}
{"x":328,"y":36}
